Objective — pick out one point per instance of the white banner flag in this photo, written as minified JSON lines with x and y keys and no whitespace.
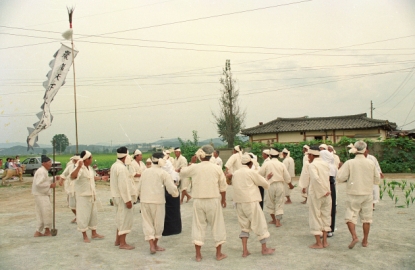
{"x":56,"y":78}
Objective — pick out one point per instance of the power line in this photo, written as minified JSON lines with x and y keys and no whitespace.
{"x":399,"y":102}
{"x":304,"y":68}
{"x":403,"y":83}
{"x":181,"y":101}
{"x":207,"y":17}
{"x":206,"y":50}
{"x":286,"y":79}
{"x":193,"y":43}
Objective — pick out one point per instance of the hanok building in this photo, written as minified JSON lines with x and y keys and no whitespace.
{"x":292,"y":130}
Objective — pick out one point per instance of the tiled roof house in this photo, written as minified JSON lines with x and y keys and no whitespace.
{"x":290,"y":130}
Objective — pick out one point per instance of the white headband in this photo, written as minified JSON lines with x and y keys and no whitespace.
{"x":178,"y":150}
{"x":87,"y":155}
{"x":121,"y":155}
{"x":323,"y":146}
{"x":273,"y":152}
{"x":306,"y":146}
{"x":354,"y":150}
{"x":313,"y":152}
{"x":137,"y":152}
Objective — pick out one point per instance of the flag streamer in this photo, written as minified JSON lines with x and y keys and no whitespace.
{"x":60,"y":65}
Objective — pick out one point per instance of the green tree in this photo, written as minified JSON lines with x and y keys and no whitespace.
{"x":188,"y":148}
{"x":61,"y":142}
{"x":231,"y":118}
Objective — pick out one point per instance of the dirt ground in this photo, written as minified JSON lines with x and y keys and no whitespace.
{"x":391,"y":240}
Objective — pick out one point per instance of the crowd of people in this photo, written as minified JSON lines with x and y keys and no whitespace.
{"x":158,"y":184}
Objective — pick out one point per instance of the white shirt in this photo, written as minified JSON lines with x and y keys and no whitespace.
{"x":41,"y":182}
{"x":327,"y":156}
{"x":120,"y":184}
{"x":374,"y":159}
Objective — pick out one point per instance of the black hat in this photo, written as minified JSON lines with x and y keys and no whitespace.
{"x":45,"y":159}
{"x":122,"y":150}
{"x":158,"y":155}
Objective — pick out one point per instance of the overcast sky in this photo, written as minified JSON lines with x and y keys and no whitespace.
{"x":151,"y":69}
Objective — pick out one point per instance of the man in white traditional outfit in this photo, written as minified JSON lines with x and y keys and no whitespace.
{"x":328,"y":157}
{"x":181,"y":162}
{"x":84,"y":185}
{"x":151,"y":189}
{"x":337,"y":161}
{"x":218,"y":160}
{"x":148,"y":163}
{"x":304,"y":180}
{"x":41,"y":186}
{"x":275,"y":196}
{"x":245,"y":182}
{"x":209,"y":194}
{"x":65,"y":179}
{"x":265,"y":155}
{"x":319,"y":202}
{"x":138,"y":166}
{"x":234,"y":162}
{"x":360,"y":174}
{"x":122,"y":191}
{"x":289,"y":163}
{"x":379,"y":170}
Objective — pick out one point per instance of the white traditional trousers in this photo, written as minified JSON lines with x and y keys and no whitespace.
{"x":251,"y":217}
{"x":208,"y":211}
{"x":319,"y":215}
{"x":86,"y":213}
{"x":43,"y":210}
{"x":359,"y":205}
{"x":153,"y":220}
{"x":123,"y":216}
{"x":275,"y":198}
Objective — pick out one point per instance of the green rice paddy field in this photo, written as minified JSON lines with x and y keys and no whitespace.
{"x":102,"y":160}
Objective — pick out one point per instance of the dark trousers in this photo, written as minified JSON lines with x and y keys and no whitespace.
{"x":333,"y":202}
{"x":261,"y":203}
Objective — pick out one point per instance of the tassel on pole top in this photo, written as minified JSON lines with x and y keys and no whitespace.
{"x":70,"y":12}
{"x":68,"y":34}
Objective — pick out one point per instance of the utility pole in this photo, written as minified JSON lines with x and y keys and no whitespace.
{"x":371,"y":109}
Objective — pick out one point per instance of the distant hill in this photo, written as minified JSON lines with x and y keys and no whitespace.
{"x":16,"y":148}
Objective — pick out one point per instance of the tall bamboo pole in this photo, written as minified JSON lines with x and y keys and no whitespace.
{"x":70,"y":12}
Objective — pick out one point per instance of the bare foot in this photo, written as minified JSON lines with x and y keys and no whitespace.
{"x":73,"y":221}
{"x":47,"y":234}
{"x":152,"y":250}
{"x":97,"y":236}
{"x":221,"y":257}
{"x":304,"y":202}
{"x":365,"y":244}
{"x":116,"y":243}
{"x":315,"y":246}
{"x":188,"y":198}
{"x":272,"y":222}
{"x":288,"y":202}
{"x":354,"y":242}
{"x":38,"y":234}
{"x":246,"y":254}
{"x":198,"y":259}
{"x":326,"y":245}
{"x":278,"y":223}
{"x":126,"y":246}
{"x":181,"y":201}
{"x":268,"y":251}
{"x":158,"y":248}
{"x":86,"y":240}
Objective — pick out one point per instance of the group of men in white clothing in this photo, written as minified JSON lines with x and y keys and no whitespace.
{"x":361,"y":175}
{"x":151,"y":183}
